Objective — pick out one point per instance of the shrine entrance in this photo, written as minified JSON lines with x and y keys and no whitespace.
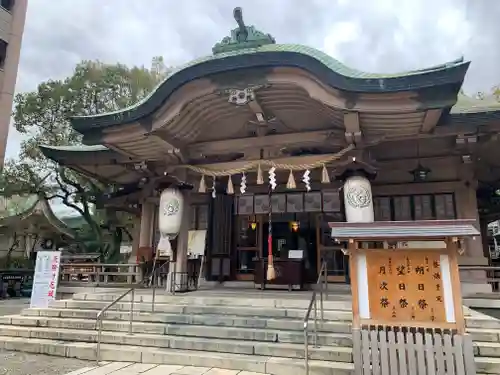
{"x":308,"y":232}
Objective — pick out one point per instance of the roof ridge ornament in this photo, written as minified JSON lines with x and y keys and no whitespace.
{"x":242,"y":37}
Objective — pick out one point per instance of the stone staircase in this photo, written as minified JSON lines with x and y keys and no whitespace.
{"x":242,"y":332}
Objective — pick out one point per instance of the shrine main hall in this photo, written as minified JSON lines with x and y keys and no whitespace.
{"x":217,"y":127}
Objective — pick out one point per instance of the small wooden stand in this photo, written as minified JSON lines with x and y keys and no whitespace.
{"x":407,"y":303}
{"x":289,"y":272}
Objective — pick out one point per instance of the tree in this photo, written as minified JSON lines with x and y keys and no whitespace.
{"x":42,"y":117}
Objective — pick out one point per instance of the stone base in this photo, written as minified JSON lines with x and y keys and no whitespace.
{"x":473,"y":282}
{"x":470,"y":288}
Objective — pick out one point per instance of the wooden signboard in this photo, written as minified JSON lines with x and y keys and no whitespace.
{"x":405,"y":286}
{"x":404,"y":299}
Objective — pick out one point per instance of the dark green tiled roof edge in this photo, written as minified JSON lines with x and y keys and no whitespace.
{"x":57,"y":153}
{"x":326,"y":68}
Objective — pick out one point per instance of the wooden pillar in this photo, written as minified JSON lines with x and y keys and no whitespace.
{"x":483,"y":228}
{"x":146,"y":231}
{"x":474,"y":255}
{"x":134,"y":256}
{"x":219,"y":238}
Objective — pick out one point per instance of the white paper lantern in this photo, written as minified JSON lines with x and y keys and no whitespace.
{"x":170,"y":215}
{"x":358,"y":200}
{"x":164,"y":247}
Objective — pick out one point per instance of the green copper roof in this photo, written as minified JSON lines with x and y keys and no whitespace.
{"x":17,"y":205}
{"x":76,"y":148}
{"x":19,"y":208}
{"x":331,"y":63}
{"x":81,"y":154}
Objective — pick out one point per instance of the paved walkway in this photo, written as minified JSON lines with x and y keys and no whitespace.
{"x":17,"y":363}
{"x":124,"y":368}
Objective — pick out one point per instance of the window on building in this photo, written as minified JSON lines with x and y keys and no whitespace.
{"x":415,"y":207}
{"x":199,"y":217}
{"x":3,"y":53}
{"x":7,"y":4}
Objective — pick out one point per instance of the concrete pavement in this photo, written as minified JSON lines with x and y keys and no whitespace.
{"x":125,"y":368}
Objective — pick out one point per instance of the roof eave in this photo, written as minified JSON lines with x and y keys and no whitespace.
{"x":446,"y":75}
{"x":404,"y":230}
{"x":78,"y":152}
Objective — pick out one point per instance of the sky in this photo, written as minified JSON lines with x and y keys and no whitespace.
{"x":370,"y":35}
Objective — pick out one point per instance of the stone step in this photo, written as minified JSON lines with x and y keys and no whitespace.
{"x":235,"y":333}
{"x":484,"y":335}
{"x":206,"y":319}
{"x":332,"y":303}
{"x":325,"y":353}
{"x":472,"y":319}
{"x":128,"y":353}
{"x":334,"y":315}
{"x":487,"y":349}
{"x":482,"y":322}
{"x":487,"y":365}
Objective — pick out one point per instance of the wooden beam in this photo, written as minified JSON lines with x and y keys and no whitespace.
{"x":421,"y":188}
{"x":352,"y":130}
{"x":402,"y":163}
{"x":431,"y":119}
{"x":177,"y":147}
{"x":290,"y":139}
{"x":256,"y":108}
{"x":130,"y":155}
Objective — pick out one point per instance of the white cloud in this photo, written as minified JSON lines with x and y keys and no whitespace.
{"x":382,"y":35}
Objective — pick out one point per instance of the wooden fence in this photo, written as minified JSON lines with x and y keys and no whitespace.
{"x":99,"y":274}
{"x":395,"y":352}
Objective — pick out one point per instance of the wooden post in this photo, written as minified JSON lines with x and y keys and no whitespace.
{"x":452,"y":247}
{"x":353,"y":271}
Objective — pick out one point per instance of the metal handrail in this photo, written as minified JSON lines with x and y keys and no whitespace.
{"x":153,"y":284}
{"x":100,"y":314}
{"x":322,"y":282}
{"x":202,"y":270}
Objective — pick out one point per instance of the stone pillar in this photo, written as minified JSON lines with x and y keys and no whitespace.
{"x":181,"y":251}
{"x":466,"y":204}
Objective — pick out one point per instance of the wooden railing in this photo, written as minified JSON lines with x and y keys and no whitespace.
{"x":99,"y":274}
{"x":405,"y":352}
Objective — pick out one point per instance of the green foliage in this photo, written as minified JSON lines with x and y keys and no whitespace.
{"x":7,"y":263}
{"x":42,"y":117}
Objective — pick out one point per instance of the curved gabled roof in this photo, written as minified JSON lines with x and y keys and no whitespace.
{"x":469,"y":110}
{"x":22,"y":208}
{"x":99,"y":151}
{"x":329,"y":70}
{"x":468,"y":104}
